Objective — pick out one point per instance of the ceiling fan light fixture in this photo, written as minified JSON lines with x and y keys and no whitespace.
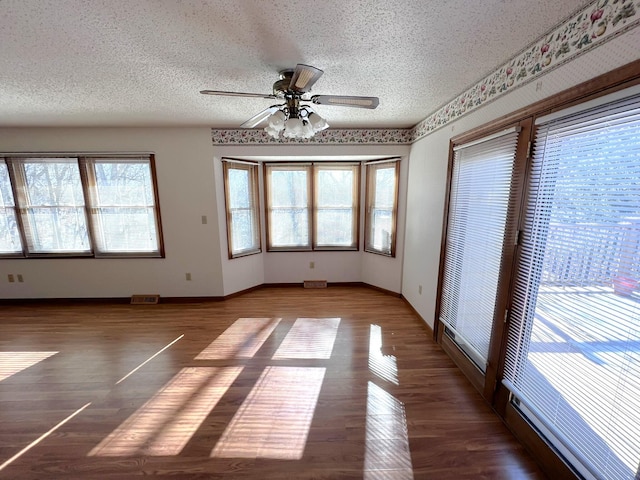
{"x":317,"y":122}
{"x":305,"y":124}
{"x":293,"y":127}
{"x":276,"y":120}
{"x":272,"y":132}
{"x":307,"y":130}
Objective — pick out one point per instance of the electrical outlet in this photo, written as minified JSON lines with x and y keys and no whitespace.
{"x":312,"y":264}
{"x":187,"y":276}
{"x":420,"y":289}
{"x":20,"y":279}
{"x":11,"y":278}
{"x":204,"y":219}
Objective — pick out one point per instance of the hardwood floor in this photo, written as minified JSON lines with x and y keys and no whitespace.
{"x":362,"y":393}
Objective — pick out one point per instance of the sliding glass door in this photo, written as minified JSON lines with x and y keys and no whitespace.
{"x":480,"y":230}
{"x":573,"y":349}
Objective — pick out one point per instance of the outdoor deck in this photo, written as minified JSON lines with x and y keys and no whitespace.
{"x":584,"y":341}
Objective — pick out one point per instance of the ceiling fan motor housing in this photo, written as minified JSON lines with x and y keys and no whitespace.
{"x":281,"y":87}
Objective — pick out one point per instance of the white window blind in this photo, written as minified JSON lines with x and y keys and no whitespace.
{"x":573,"y":349}
{"x":479,"y":205}
{"x":10,"y":242}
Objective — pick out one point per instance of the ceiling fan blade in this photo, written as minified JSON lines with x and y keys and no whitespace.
{"x":260,"y":117}
{"x":346,"y":101}
{"x":304,"y":76}
{"x":237,"y":94}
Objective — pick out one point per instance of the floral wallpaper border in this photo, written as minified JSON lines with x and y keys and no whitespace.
{"x":598,"y":22}
{"x":350,"y":136}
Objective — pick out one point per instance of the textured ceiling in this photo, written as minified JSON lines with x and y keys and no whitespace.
{"x":143,"y":62}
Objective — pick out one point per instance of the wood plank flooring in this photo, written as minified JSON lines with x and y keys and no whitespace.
{"x":337,"y":383}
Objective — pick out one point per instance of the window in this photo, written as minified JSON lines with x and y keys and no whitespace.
{"x":336,"y":206}
{"x":241,"y":196}
{"x":52,"y":205}
{"x":312,"y":206}
{"x":381,"y":207}
{"x":123,"y":205}
{"x":573,"y":361}
{"x":288,"y":206}
{"x":79,"y":206}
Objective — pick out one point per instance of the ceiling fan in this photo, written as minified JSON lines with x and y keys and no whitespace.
{"x":292,"y":119}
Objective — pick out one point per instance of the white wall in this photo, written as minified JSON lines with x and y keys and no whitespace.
{"x":187,"y":192}
{"x":429,"y":157}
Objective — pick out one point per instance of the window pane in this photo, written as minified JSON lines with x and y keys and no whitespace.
{"x":243,"y":234}
{"x":123,"y":184}
{"x":289,"y":227}
{"x":127,"y":229}
{"x":58,"y":229}
{"x":9,"y":234}
{"x":55,"y":206}
{"x":385,"y":187}
{"x":123,"y":206}
{"x":381,"y":225}
{"x":289,"y":188}
{"x":334,"y":227}
{"x":335,"y":187}
{"x":241,"y":191}
{"x":239,"y":188}
{"x":335,"y":209}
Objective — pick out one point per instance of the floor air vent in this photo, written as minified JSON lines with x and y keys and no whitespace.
{"x":315,"y":284}
{"x":144,"y":299}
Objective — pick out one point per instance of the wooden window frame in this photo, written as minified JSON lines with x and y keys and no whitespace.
{"x":372,"y":168}
{"x":355,"y":207}
{"x":311,"y":169}
{"x":252,"y":169}
{"x":84,"y":164}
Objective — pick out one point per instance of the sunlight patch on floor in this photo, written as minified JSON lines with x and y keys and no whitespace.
{"x":274,"y":420}
{"x":384,"y":366}
{"x":309,"y":338}
{"x":165,"y":424}
{"x":387,"y":453}
{"x":241,"y":340}
{"x":15,"y":362}
{"x":42,"y":437}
